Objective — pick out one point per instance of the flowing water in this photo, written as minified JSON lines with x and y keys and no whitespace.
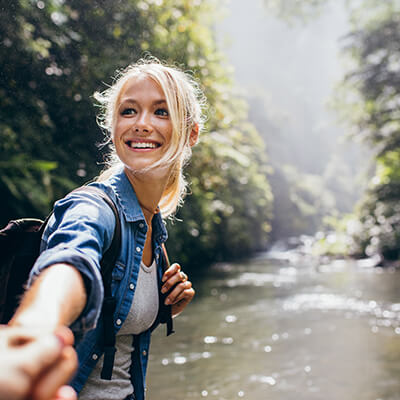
{"x":283,"y":329}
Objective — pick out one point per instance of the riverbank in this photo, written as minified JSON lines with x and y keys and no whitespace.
{"x":324,"y":248}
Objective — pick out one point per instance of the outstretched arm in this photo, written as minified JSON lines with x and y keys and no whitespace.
{"x":56,"y":298}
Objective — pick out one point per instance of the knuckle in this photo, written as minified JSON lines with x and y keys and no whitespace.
{"x":176,"y":266}
{"x":175,"y":277}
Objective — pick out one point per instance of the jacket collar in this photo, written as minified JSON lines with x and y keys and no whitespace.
{"x":126,"y":196}
{"x":130,"y":205}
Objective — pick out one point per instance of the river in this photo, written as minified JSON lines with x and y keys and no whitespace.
{"x":284,"y":328}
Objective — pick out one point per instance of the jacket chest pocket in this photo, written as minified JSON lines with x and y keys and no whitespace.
{"x":118,"y":274}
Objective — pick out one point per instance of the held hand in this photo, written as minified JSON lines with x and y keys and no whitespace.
{"x":182,"y":292}
{"x":35,"y":364}
{"x":49,"y":384}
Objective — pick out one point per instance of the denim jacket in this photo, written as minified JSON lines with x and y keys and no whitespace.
{"x":78,"y":233}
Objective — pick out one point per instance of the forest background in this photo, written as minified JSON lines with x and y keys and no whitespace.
{"x":56,"y":54}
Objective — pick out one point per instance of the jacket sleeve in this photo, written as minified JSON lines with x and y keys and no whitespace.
{"x":78,"y":233}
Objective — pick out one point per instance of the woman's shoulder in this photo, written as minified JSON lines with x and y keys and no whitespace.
{"x":120,"y":189}
{"x":109,"y":186}
{"x":85,"y":202}
{"x":82,"y":210}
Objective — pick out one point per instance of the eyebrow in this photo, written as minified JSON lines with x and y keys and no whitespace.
{"x":132,"y":100}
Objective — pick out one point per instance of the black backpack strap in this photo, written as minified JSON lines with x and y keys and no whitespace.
{"x":107,"y":264}
{"x":166,"y":316}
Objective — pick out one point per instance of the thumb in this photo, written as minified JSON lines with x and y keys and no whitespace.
{"x":66,"y":393}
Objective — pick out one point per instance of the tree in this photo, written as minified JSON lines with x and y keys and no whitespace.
{"x":373,"y":99}
{"x":59,"y":53}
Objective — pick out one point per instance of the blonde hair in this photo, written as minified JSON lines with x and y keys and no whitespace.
{"x":185,"y":103}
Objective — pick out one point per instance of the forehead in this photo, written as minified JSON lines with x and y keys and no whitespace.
{"x":141,"y":86}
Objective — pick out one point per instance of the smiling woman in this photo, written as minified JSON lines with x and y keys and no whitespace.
{"x":152,"y":117}
{"x":151,"y":96}
{"x":143,"y":128}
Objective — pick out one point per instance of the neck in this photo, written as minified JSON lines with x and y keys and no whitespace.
{"x":149,"y":190}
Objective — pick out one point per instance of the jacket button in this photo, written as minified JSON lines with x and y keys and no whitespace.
{"x":141,"y":225}
{"x":144,"y":353}
{"x":131,"y":286}
{"x":138,"y":249}
{"x":95,"y":357}
{"x":118,"y":322}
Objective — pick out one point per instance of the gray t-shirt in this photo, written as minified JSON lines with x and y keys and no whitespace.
{"x":141,"y":316}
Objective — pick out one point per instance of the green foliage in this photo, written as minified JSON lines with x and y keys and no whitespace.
{"x":339,"y":240}
{"x":59,"y":53}
{"x":227,"y":216}
{"x":375,"y":80}
{"x":304,"y":201}
{"x":373,"y":100}
{"x":369,"y":98}
{"x":379,"y":212}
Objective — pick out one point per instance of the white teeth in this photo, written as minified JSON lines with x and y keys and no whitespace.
{"x":142,"y":145}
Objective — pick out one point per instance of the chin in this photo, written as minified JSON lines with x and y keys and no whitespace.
{"x":145,"y":170}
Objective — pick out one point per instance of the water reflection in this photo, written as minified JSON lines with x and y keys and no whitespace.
{"x":277,"y":330}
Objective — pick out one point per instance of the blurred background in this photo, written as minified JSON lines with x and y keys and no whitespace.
{"x":302,"y":131}
{"x":299,"y":161}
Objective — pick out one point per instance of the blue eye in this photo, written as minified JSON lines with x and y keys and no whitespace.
{"x":128,"y":111}
{"x":163,"y":112}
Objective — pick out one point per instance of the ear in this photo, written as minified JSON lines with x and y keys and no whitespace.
{"x":194,"y":135}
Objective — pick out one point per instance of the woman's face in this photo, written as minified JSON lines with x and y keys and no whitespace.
{"x":143,"y":126}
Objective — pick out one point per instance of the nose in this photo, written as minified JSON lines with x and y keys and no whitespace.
{"x":143,"y":123}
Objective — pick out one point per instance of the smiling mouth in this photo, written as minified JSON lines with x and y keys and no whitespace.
{"x":142,"y":145}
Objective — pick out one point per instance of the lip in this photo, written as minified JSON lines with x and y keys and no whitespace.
{"x":128,"y":143}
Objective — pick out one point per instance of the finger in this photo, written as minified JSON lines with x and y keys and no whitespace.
{"x":14,"y":385}
{"x":186,"y":297}
{"x":65,"y":335}
{"x":181,"y":298}
{"x":56,"y":376}
{"x":66,"y":393}
{"x":173,"y":269}
{"x":178,"y":307}
{"x":38,"y":355}
{"x":184,"y":277}
{"x":177,"y":291}
{"x":172,"y":281}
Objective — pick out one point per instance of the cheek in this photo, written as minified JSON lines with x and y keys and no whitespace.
{"x":119,"y":128}
{"x":163,"y":127}
{"x":168,"y":131}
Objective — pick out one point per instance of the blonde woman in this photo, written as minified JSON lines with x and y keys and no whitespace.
{"x":152,"y":114}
